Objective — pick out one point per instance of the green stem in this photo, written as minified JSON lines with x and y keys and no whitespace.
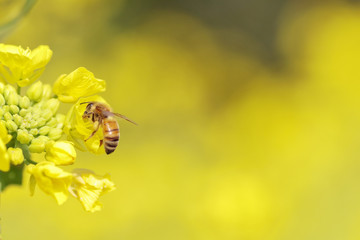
{"x":26,"y":153}
{"x":19,"y":90}
{"x":5,"y":28}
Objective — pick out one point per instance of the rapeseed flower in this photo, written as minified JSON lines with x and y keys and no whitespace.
{"x":51,"y":179}
{"x":31,"y":123}
{"x":87,"y":187}
{"x":22,"y":66}
{"x":77,"y":84}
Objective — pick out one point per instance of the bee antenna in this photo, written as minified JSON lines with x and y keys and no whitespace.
{"x":84,"y":102}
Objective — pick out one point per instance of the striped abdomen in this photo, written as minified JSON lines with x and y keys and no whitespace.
{"x":111,"y":134}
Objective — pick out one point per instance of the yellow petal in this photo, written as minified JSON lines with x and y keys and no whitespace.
{"x":4,"y":157}
{"x":79,"y":83}
{"x":40,"y":56}
{"x":4,"y":136}
{"x":22,"y":66}
{"x":61,"y":153}
{"x":51,"y":179}
{"x":88,"y":187}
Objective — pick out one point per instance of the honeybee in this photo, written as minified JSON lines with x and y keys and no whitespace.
{"x":101,"y":115}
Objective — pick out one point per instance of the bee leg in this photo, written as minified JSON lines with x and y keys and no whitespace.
{"x":93,"y":133}
{"x":101,"y":143}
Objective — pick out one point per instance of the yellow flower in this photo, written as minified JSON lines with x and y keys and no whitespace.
{"x":88,"y":187}
{"x":4,"y":156}
{"x":60,"y":153}
{"x":21,"y":66}
{"x":79,"y":129}
{"x":51,"y":179}
{"x":79,"y":83}
{"x":5,"y":137}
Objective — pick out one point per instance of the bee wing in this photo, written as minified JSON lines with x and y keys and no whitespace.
{"x":108,"y":113}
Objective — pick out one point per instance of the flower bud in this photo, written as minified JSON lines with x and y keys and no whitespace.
{"x":12,"y":99}
{"x":55,"y":133}
{"x":2,"y":100}
{"x":24,"y":102}
{"x":23,"y":112}
{"x":24,"y":137}
{"x":34,"y":131}
{"x":33,"y":124}
{"x":47,"y":114}
{"x":47,"y":91}
{"x":7,"y":90}
{"x":35,"y":91}
{"x":6,"y":108}
{"x":37,"y":145}
{"x":41,"y":122}
{"x":37,"y":107}
{"x":52,"y":122}
{"x":44,"y":130}
{"x":52,"y":104}
{"x":7,"y":116}
{"x":1,"y":112}
{"x":36,"y":115}
{"x":18,"y":119}
{"x":28,"y":116}
{"x":11,"y":126}
{"x":14,"y":109}
{"x":16,"y":155}
{"x":60,"y":153}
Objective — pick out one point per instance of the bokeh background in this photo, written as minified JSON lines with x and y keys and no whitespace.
{"x":249,"y":116}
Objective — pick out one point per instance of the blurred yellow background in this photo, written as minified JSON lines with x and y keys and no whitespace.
{"x":248,"y":112}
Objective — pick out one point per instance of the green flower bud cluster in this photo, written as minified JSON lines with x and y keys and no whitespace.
{"x":31,"y":119}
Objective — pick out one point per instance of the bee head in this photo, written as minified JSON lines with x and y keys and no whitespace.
{"x":87,"y":113}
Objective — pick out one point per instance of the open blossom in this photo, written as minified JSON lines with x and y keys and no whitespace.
{"x":22,"y":66}
{"x":51,"y":179}
{"x":77,"y":84}
{"x":31,"y":124}
{"x":87,"y":187}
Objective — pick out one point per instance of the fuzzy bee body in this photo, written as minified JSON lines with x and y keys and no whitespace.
{"x":101,"y":115}
{"x":111,"y":134}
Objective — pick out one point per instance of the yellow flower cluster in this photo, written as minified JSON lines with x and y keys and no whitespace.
{"x":30,"y":123}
